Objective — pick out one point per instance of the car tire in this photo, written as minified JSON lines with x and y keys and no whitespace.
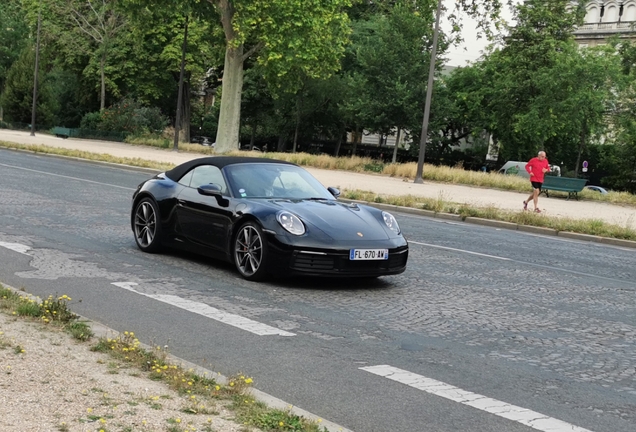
{"x":147,"y":226}
{"x":251,"y":252}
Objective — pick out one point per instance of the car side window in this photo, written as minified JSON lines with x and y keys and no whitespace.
{"x":208,"y":174}
{"x":185,"y":180}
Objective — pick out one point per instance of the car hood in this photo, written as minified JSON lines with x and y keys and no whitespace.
{"x":336,"y":219}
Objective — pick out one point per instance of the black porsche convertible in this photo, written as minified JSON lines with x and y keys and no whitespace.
{"x":267,"y":217}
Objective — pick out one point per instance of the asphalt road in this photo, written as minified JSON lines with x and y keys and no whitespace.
{"x":534,"y":327}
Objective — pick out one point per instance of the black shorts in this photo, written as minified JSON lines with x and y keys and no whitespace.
{"x":537,"y":185}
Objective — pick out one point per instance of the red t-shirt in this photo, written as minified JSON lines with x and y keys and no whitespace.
{"x":535,"y":168}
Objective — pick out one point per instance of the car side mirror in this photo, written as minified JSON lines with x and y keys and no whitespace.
{"x":335,"y":192}
{"x":213,"y":190}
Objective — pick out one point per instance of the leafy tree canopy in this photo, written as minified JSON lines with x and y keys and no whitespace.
{"x":14,"y":36}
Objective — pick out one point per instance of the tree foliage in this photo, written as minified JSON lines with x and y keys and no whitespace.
{"x":388,"y":64}
{"x":14,"y":34}
{"x":17,"y":99}
{"x":86,"y":27}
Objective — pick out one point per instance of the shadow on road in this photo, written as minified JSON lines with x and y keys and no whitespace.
{"x":337,"y":284}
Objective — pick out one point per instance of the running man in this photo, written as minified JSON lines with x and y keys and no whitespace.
{"x":536,"y":167}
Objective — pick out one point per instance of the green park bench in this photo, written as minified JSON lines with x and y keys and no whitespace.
{"x":563,"y":184}
{"x":61,"y":132}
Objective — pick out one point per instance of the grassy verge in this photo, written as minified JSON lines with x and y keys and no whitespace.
{"x":440,"y":205}
{"x":201,"y":395}
{"x":101,"y":157}
{"x":52,"y":311}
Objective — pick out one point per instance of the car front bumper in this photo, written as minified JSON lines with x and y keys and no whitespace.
{"x":299,"y":261}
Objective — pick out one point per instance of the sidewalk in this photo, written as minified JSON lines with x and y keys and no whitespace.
{"x":383,"y":185}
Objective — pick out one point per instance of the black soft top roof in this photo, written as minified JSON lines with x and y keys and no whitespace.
{"x":219,"y":161}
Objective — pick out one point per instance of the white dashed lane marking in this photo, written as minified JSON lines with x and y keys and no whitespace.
{"x":521,"y":415}
{"x":460,"y":250}
{"x":67,"y":177}
{"x":210,"y":312}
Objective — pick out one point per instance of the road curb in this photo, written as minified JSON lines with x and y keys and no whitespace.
{"x":100,"y":330}
{"x":537,"y":230}
{"x":579,"y":236}
{"x":492,"y":223}
{"x":449,"y":216}
{"x":618,"y":242}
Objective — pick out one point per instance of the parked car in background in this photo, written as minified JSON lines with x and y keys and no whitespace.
{"x":519,"y":168}
{"x":514,"y":168}
{"x":203,"y":140}
{"x":596,"y":189}
{"x":250,"y":148}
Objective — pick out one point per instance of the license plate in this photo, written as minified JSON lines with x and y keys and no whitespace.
{"x":368,"y":254}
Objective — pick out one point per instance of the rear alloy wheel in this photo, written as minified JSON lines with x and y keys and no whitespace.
{"x":250,"y":252}
{"x":146,"y":226}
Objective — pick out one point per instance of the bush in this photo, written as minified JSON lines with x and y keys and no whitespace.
{"x":126,"y":116}
{"x":91,"y":121}
{"x":130,"y":116}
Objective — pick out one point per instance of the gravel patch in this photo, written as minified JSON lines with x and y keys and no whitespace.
{"x":50,"y":382}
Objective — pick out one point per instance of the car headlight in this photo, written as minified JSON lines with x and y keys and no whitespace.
{"x":390,"y":221}
{"x":291,"y":223}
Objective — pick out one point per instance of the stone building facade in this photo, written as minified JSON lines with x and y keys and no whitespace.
{"x":607,"y":18}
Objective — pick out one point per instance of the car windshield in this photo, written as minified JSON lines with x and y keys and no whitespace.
{"x":273,"y":181}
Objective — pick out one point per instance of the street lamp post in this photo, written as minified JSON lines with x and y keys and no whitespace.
{"x":177,"y":122}
{"x":35,"y":75}
{"x":429,"y":94}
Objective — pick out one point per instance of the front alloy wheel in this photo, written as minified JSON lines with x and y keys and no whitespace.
{"x":250,"y":252}
{"x":146,"y":226}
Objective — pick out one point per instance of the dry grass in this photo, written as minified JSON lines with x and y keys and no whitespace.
{"x":102,"y":157}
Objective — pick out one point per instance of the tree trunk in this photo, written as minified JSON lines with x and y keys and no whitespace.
{"x":102,"y":66}
{"x":227,"y":135}
{"x":397,"y":144}
{"x":281,"y":143}
{"x":253,"y":137}
{"x":297,"y":126}
{"x":581,"y":147}
{"x":341,"y":131}
{"x":186,"y":113}
{"x":355,"y":142}
{"x":1,"y":94}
